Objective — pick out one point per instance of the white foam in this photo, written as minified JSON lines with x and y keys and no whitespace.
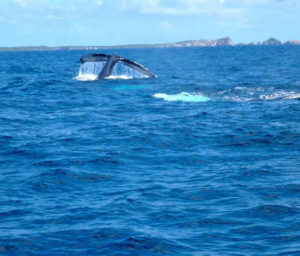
{"x":85,"y":77}
{"x":119,"y":77}
{"x":90,"y":70}
{"x":121,"y":71}
{"x":287,"y":95}
{"x":244,"y":94}
{"x":293,"y":96}
{"x":183,"y":96}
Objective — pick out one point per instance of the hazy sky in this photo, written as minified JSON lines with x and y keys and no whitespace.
{"x":113,"y":22}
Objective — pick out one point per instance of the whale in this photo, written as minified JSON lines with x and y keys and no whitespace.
{"x":110,"y":62}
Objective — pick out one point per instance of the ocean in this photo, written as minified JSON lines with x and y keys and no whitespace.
{"x":202,"y":160}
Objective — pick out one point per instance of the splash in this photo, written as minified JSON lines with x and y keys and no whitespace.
{"x":243,"y":94}
{"x":89,"y":71}
{"x":121,"y":71}
{"x":113,"y":77}
{"x":183,"y":96}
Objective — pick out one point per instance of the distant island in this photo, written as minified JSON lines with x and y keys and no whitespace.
{"x":226,"y":41}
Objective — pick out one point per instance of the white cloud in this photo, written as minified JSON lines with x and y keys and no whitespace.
{"x":182,"y":7}
{"x":99,"y":3}
{"x":174,"y":7}
{"x":54,"y":17}
{"x":20,"y":2}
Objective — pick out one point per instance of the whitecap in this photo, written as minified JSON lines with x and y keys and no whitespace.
{"x":244,"y":94}
{"x":293,"y":96}
{"x":183,"y":96}
{"x":286,"y":95}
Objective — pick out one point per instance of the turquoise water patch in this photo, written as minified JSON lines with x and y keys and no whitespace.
{"x":183,"y":96}
{"x":128,"y":87}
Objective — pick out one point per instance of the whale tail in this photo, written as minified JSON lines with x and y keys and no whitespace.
{"x":110,"y":61}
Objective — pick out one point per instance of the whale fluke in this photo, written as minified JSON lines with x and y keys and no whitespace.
{"x":111,"y":60}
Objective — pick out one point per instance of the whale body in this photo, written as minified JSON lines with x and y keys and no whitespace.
{"x":111,"y":61}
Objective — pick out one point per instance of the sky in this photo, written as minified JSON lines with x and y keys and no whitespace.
{"x":116,"y":22}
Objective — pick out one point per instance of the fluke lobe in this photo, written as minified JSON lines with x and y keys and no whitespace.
{"x":111,"y":60}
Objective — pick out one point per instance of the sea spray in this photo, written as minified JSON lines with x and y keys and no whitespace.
{"x":183,"y":96}
{"x":124,"y":72}
{"x":89,"y":71}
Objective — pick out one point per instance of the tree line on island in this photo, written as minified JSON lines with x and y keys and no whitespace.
{"x":226,"y":41}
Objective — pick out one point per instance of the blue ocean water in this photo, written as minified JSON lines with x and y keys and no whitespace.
{"x":203,"y":160}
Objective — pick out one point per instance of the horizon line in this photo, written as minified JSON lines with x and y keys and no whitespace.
{"x":158,"y":45}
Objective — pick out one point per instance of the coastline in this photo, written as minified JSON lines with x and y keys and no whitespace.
{"x":222,"y":42}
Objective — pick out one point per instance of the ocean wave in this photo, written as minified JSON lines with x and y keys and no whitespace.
{"x":183,"y":96}
{"x":281,"y":95}
{"x":243,"y":94}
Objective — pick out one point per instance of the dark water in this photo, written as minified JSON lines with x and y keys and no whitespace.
{"x":106,"y":168}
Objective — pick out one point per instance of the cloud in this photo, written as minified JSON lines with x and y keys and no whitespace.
{"x":99,"y":3}
{"x":153,"y":7}
{"x":20,"y":2}
{"x":182,"y":7}
{"x":175,"y":7}
{"x":54,"y":17}
{"x":215,"y":10}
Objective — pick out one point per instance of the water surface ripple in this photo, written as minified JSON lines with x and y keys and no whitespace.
{"x":107,"y":168}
